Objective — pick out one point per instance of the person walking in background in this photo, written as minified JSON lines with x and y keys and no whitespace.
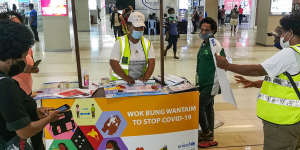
{"x":124,"y":17}
{"x":234,"y":14}
{"x":14,"y":8}
{"x":99,"y":13}
{"x":241,"y":11}
{"x":195,"y":20}
{"x":173,"y":32}
{"x":165,"y":23}
{"x":223,"y":16}
{"x":219,"y":16}
{"x":116,"y":23}
{"x":33,"y":22}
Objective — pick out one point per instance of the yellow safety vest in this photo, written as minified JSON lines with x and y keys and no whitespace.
{"x":125,"y":55}
{"x":278,"y":102}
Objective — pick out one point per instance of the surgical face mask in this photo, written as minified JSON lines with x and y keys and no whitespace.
{"x":285,"y":44}
{"x":205,"y":36}
{"x":137,"y":34}
{"x":172,"y":15}
{"x":17,"y":68}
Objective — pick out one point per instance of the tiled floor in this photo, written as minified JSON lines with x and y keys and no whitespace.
{"x":242,"y":129}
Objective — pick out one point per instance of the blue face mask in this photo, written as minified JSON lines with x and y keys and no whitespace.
{"x":205,"y":36}
{"x":137,"y":34}
{"x":277,"y":45}
{"x":172,"y":15}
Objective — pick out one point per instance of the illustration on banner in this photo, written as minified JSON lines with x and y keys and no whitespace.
{"x":86,"y":111}
{"x":111,"y":124}
{"x":113,"y":143}
{"x":62,"y":145}
{"x":64,"y":128}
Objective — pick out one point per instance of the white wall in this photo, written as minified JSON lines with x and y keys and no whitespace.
{"x":154,"y":4}
{"x":57,"y":33}
{"x":83,"y":15}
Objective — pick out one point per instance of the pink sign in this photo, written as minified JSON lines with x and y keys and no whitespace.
{"x":246,"y":5}
{"x":54,"y":7}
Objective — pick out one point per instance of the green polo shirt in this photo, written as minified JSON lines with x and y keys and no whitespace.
{"x":206,"y":68}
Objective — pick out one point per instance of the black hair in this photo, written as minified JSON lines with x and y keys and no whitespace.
{"x":235,"y":5}
{"x":170,"y":10}
{"x":212,"y":22}
{"x":291,"y":23}
{"x":15,"y":40}
{"x":31,"y":5}
{"x":114,"y":144}
{"x":8,"y":14}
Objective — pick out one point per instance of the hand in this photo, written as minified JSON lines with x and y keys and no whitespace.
{"x":35,"y":70}
{"x":54,"y":115}
{"x":143,"y":79}
{"x":245,"y":82}
{"x":129,"y":80}
{"x":221,"y":62}
{"x":43,"y":112}
{"x":28,"y":69}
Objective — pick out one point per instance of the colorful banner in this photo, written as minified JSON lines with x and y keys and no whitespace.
{"x":54,"y":7}
{"x":130,"y":123}
{"x":246,"y":5}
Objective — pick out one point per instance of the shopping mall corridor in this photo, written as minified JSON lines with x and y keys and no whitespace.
{"x":241,"y":129}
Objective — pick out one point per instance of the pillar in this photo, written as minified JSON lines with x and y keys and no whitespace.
{"x":83,"y":15}
{"x":265,"y":22}
{"x":57,"y":33}
{"x":211,"y":8}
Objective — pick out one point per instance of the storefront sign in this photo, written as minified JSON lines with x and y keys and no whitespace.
{"x":129,"y":123}
{"x":281,"y":7}
{"x":246,"y":5}
{"x":54,"y":8}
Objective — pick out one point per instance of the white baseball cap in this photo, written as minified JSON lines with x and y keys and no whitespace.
{"x":137,"y":19}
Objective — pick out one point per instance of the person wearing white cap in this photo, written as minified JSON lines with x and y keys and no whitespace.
{"x":132,"y":57}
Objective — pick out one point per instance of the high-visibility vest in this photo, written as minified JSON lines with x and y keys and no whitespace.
{"x":278,"y":102}
{"x":125,"y":55}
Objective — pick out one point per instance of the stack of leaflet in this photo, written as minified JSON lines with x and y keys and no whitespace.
{"x":170,"y":79}
{"x":122,"y":89}
{"x":177,"y":84}
{"x":63,"y":89}
{"x":54,"y":93}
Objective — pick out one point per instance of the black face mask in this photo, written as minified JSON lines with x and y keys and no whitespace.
{"x":17,"y":68}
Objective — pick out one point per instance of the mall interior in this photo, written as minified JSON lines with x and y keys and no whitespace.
{"x":237,"y":127}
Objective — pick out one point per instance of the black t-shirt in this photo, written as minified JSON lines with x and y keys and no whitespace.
{"x":17,"y":109}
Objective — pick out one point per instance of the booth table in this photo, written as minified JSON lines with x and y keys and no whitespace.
{"x":130,"y":123}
